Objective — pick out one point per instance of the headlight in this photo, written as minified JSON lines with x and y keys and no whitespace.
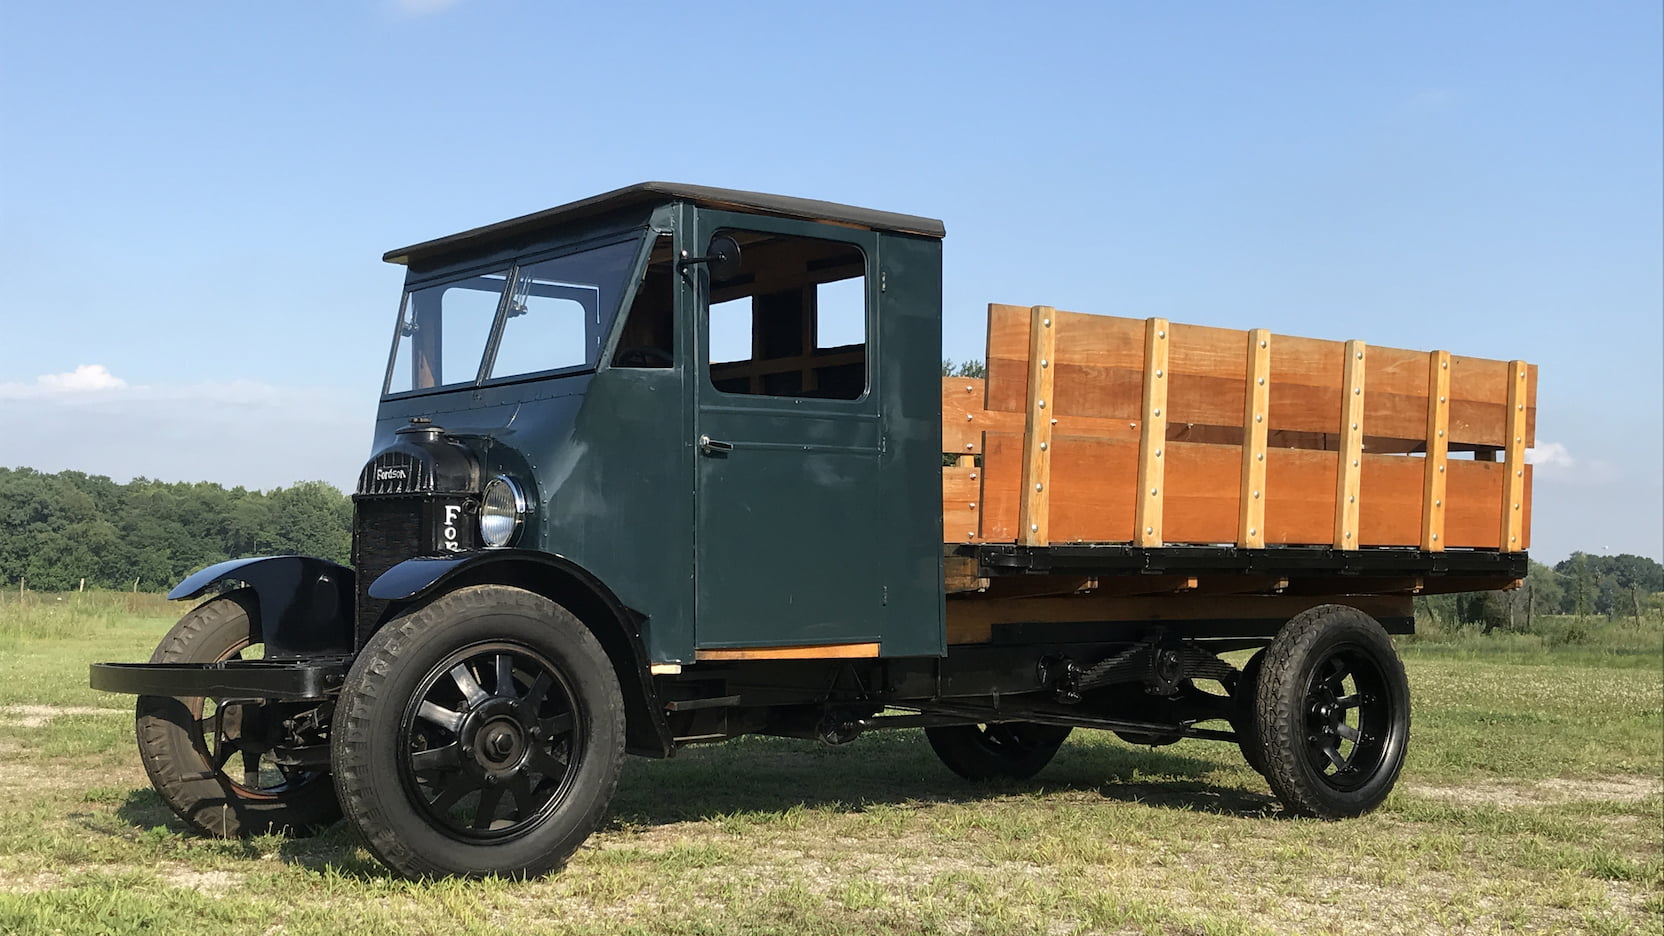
{"x":502,"y":511}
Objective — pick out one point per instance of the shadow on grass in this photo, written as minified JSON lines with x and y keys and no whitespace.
{"x":758,"y":777}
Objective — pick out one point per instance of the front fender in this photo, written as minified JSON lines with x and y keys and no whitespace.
{"x":563,"y":581}
{"x":305,"y":603}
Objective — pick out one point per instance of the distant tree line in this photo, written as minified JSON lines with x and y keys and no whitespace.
{"x":61,"y":528}
{"x":1582,"y":585}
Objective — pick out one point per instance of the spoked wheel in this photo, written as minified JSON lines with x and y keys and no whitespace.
{"x":1332,"y":713}
{"x":481,"y":734}
{"x":209,"y":760}
{"x":489,"y":765}
{"x":1003,"y":751}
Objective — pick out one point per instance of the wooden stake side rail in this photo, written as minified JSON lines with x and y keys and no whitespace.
{"x":1098,"y":429}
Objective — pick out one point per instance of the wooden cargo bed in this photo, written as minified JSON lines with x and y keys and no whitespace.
{"x":1214,"y":459}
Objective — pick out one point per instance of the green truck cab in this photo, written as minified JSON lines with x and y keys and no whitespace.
{"x":672,"y":465}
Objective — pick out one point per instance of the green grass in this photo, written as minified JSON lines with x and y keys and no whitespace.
{"x":1530,"y":803}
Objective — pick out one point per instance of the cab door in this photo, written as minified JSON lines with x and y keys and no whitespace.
{"x":789,"y":440}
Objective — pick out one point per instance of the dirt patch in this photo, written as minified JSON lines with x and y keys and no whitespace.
{"x":36,"y":716}
{"x":1623,"y":788}
{"x":212,"y":883}
{"x":29,"y":883}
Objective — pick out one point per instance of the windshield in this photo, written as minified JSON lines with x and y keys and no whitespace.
{"x":553,"y":318}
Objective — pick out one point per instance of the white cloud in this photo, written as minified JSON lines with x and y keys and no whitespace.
{"x":1554,"y":462}
{"x":88,"y":378}
{"x":239,"y":432}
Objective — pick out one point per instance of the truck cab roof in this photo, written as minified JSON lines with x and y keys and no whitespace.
{"x":652,"y":193}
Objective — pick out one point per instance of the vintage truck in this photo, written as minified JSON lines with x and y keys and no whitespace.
{"x":675,"y":464}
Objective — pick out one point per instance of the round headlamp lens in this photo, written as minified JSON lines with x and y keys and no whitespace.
{"x":502,"y":510}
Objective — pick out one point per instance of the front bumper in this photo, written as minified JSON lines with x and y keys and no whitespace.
{"x":293,"y":680}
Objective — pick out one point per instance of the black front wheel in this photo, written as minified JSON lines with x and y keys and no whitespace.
{"x":1003,"y":751}
{"x":479,"y":735}
{"x":210,"y":760}
{"x":1332,"y":713}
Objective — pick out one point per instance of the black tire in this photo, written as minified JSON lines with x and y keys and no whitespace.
{"x":189,"y":772}
{"x":1004,"y":751}
{"x":442,"y":778}
{"x":1243,"y":699}
{"x":1332,"y":711}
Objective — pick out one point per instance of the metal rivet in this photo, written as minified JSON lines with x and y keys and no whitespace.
{"x":1054,"y":422}
{"x":969,"y":446}
{"x":1153,"y":491}
{"x":1157,"y":412}
{"x":1034,"y":528}
{"x":1262,"y":381}
{"x":1039,"y":487}
{"x":1354,"y":463}
{"x":1042,"y":446}
{"x":1516,"y":506}
{"x":1256,"y":495}
{"x":1044,"y":362}
{"x":1259,"y":417}
{"x":1522,"y":406}
{"x":1445,"y":364}
{"x":973,"y":476}
{"x":969,"y":417}
{"x":973,"y":505}
{"x":1042,"y":404}
{"x":1512,"y":538}
{"x":1357,"y":390}
{"x":1438,"y":503}
{"x":1352,"y":499}
{"x":970,"y":387}
{"x":1435,"y":537}
{"x":1441,"y":433}
{"x":1441,"y":399}
{"x":1262,"y":342}
{"x":1132,"y":425}
{"x":1261,"y":456}
{"x":1149,"y":531}
{"x":1253,"y":532}
{"x":1158,"y":372}
{"x":1518,"y":439}
{"x":1046,"y":322}
{"x":1441,"y":469}
{"x":1158,"y":453}
{"x":1519,"y":474}
{"x":1354,"y":427}
{"x":1161,"y":334}
{"x":1348,"y":534}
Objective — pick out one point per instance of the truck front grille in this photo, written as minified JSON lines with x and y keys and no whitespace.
{"x":386,"y":531}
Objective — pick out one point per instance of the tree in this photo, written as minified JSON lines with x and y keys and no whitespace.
{"x":973,"y":369}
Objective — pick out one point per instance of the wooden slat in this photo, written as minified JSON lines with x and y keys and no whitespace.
{"x":1351,"y":451}
{"x":1037,"y":428}
{"x":1250,"y":527}
{"x":1438,"y":451}
{"x":1512,"y":532}
{"x":965,"y":418}
{"x":848,"y":651}
{"x":1152,"y":437}
{"x":961,"y":491}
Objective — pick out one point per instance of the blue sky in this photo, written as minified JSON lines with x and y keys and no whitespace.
{"x":194,"y":197}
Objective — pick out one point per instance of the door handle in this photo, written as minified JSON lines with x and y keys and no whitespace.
{"x":711,"y":446}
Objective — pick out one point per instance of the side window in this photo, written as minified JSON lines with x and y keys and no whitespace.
{"x":648,"y":338}
{"x":793,"y":321}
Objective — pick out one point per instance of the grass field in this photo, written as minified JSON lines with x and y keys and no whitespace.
{"x":1531,"y":803}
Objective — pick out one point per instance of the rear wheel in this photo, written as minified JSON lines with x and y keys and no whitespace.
{"x":208,"y":760}
{"x":1332,"y":711}
{"x":1242,"y":712}
{"x":1004,"y":751}
{"x":479,"y":735}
